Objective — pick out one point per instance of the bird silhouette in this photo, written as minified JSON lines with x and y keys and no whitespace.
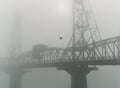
{"x":60,"y":38}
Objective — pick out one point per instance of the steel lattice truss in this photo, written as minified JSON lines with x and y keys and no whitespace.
{"x":105,"y":52}
{"x":85,"y":30}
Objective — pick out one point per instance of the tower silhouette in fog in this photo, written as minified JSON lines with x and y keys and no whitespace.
{"x":16,"y":36}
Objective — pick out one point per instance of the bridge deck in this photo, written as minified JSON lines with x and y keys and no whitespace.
{"x":105,"y":52}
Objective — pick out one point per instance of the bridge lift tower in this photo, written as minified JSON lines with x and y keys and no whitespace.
{"x":85,"y":31}
{"x":16,"y":36}
{"x":15,"y":73}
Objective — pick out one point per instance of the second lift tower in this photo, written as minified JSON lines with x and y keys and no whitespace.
{"x":16,"y":36}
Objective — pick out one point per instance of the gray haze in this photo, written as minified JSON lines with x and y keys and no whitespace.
{"x":43,"y":21}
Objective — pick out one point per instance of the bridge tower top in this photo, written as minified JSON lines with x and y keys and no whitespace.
{"x":85,"y":29}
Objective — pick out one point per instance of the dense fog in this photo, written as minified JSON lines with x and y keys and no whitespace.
{"x":43,"y":22}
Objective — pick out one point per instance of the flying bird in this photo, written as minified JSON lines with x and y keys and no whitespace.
{"x":60,"y":38}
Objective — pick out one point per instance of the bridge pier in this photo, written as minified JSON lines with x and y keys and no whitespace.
{"x":15,"y":77}
{"x":79,"y":75}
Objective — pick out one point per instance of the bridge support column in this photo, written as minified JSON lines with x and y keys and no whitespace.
{"x":15,"y":77}
{"x":79,"y":75}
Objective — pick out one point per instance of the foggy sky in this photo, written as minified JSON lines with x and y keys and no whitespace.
{"x":43,"y":21}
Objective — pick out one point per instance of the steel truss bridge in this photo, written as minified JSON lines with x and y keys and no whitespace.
{"x":84,"y":52}
{"x":105,"y":52}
